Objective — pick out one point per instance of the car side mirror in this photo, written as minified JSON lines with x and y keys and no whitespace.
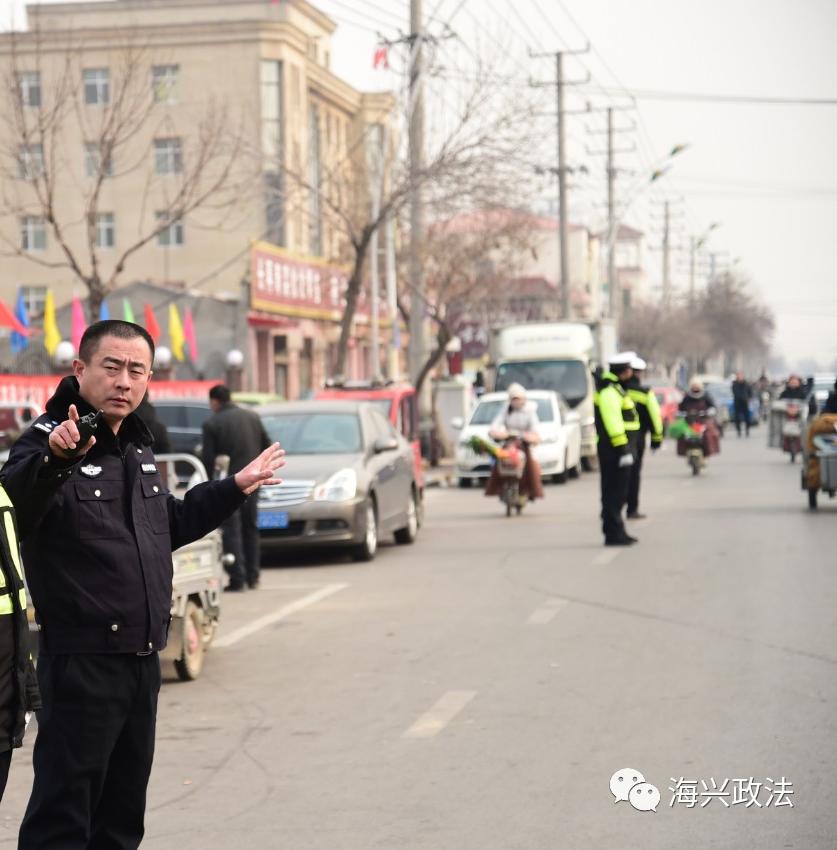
{"x":457,"y":423}
{"x":385,"y":444}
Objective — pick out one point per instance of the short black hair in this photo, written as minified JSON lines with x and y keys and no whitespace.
{"x":220,"y":393}
{"x":89,"y":344}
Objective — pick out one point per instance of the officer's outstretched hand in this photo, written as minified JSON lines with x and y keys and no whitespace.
{"x":261,"y":470}
{"x":64,"y":438}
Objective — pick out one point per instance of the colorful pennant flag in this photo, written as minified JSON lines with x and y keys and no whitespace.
{"x":52,"y":336}
{"x":20,"y":341}
{"x":9,"y":320}
{"x":104,"y":312}
{"x":127,"y":311}
{"x":380,"y":59}
{"x":151,"y":324}
{"x":176,"y":334}
{"x":78,"y":323}
{"x":189,"y":334}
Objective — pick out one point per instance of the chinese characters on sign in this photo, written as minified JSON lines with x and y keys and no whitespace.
{"x":731,"y":792}
{"x":284,"y":283}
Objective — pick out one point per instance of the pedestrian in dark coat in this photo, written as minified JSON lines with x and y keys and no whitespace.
{"x":742,"y":393}
{"x":98,"y":529}
{"x":237,"y":433}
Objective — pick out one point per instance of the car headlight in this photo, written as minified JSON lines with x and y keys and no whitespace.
{"x":341,"y":487}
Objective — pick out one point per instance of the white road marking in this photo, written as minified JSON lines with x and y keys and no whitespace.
{"x":606,"y":557}
{"x":277,"y":616}
{"x":434,"y":721}
{"x":546,"y":613}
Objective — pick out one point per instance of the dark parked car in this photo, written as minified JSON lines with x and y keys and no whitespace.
{"x":349,"y":479}
{"x":183,"y":418}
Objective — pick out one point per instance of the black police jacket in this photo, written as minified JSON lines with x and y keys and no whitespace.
{"x":18,"y":684}
{"x":97,"y":533}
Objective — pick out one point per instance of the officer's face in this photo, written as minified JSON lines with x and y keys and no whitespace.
{"x":116,"y":378}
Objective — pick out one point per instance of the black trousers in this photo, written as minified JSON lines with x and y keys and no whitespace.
{"x":742,"y":414}
{"x":93,"y":752}
{"x":5,"y":764}
{"x":635,"y":474}
{"x":614,"y":487}
{"x":241,"y":538}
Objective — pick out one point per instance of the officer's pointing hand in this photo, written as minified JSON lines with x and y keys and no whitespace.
{"x":64,"y":437}
{"x":261,"y":470}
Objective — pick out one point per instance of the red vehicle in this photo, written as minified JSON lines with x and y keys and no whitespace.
{"x":396,"y":401}
{"x":669,"y":398}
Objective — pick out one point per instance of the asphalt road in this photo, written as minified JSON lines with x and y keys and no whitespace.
{"x":480,"y":688}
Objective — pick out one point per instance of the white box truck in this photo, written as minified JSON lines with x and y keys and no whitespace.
{"x":556,"y":356}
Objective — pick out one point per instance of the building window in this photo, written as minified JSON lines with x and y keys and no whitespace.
{"x":168,"y":156}
{"x":30,"y":162}
{"x":164,"y":79}
{"x":29,"y":84}
{"x":32,"y":233}
{"x":105,"y":230}
{"x":273,"y":150}
{"x":34,"y":298}
{"x":171,"y":235}
{"x":93,"y":161}
{"x":96,"y":86}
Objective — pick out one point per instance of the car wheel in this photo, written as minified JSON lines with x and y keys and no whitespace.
{"x":190,"y":663}
{"x":574,"y":471}
{"x":408,"y":534}
{"x":587,"y":464}
{"x":367,"y":550}
{"x":465,"y":483}
{"x":561,"y":477}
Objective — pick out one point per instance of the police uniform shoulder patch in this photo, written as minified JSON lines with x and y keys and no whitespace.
{"x":90,"y":470}
{"x":43,"y":426}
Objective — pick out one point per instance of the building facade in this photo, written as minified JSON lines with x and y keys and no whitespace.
{"x":229,"y":101}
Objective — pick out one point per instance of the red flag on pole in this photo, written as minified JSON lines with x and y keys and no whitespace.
{"x":151,"y":324}
{"x":9,"y":320}
{"x":77,"y":323}
{"x":381,"y":58}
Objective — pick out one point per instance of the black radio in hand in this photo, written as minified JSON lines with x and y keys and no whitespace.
{"x":87,"y":427}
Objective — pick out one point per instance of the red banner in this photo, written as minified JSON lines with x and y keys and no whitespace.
{"x":36,"y":389}
{"x":303,"y":287}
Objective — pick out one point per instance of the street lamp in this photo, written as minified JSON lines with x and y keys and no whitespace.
{"x":698,"y":242}
{"x":65,"y":351}
{"x":659,"y":170}
{"x":235,"y":369}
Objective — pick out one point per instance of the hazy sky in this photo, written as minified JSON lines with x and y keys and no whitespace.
{"x":767,"y":172}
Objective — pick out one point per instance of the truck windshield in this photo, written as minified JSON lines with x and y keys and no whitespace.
{"x":567,"y":377}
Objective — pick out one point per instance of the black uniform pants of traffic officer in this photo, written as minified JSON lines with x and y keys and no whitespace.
{"x":634,"y":475}
{"x":93,"y":752}
{"x":614,"y":484}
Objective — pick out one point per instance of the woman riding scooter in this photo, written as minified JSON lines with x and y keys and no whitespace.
{"x":517,"y":418}
{"x":698,"y":403}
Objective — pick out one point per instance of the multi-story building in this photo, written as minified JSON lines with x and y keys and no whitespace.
{"x":244,"y":86}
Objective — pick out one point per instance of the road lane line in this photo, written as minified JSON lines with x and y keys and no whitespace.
{"x":437,"y":718}
{"x":546,"y":613}
{"x":606,"y":557}
{"x":277,"y":616}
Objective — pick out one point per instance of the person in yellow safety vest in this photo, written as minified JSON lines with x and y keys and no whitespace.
{"x":650,"y":422}
{"x":616,"y":427}
{"x":18,"y":685}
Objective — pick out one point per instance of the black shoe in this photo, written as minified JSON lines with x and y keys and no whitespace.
{"x":238,"y":587}
{"x":636,"y":515}
{"x":620,"y":541}
{"x":253,"y":584}
{"x":631,"y":539}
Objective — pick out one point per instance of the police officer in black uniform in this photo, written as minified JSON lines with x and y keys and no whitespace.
{"x":18,"y":687}
{"x":98,"y":528}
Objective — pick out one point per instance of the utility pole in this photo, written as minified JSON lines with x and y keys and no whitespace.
{"x":693,"y":242}
{"x":418,"y":348}
{"x":561,"y":155}
{"x":392,"y":301}
{"x":666,"y":248}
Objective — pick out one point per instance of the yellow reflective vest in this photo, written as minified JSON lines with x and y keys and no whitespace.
{"x":616,"y":416}
{"x":648,"y":407}
{"x":11,"y":553}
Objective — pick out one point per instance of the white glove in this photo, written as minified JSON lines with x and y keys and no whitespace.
{"x":626,"y":460}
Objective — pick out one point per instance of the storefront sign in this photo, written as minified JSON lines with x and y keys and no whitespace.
{"x":303,"y":287}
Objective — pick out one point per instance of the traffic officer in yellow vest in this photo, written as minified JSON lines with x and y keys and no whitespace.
{"x":616,"y":427}
{"x":18,"y":686}
{"x":650,"y":422}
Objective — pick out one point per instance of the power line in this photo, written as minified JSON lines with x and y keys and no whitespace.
{"x":654,"y":94}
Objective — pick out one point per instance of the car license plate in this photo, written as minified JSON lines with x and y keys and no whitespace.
{"x":273,"y":519}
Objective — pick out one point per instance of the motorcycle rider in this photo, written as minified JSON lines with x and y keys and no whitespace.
{"x":698,"y":402}
{"x":795,"y":389}
{"x":519,"y":418}
{"x":742,"y":392}
{"x":650,"y":422}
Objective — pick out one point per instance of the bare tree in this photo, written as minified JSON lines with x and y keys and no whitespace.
{"x":478,"y":154}
{"x":129,"y":139}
